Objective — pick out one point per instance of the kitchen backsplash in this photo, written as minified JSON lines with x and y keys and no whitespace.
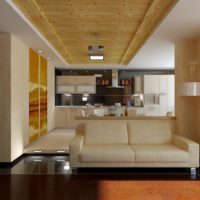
{"x":91,"y":99}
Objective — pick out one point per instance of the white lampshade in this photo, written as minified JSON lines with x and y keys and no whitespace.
{"x":189,"y":89}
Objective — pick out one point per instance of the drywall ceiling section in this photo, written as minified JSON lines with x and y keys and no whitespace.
{"x":11,"y":22}
{"x":182,"y":22}
{"x":157,"y":53}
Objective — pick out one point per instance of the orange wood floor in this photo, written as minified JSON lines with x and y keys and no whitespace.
{"x":83,"y":187}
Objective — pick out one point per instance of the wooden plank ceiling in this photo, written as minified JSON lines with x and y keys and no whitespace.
{"x":121,"y":26}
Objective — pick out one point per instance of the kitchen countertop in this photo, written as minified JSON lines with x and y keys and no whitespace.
{"x":94,"y":107}
{"x":127,"y":118}
{"x":73,"y":107}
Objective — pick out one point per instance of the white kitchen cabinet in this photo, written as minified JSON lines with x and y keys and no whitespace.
{"x":151,"y":84}
{"x":167,"y":95}
{"x":76,"y":84}
{"x":163,"y":79}
{"x":171,"y":93}
{"x":66,"y":80}
{"x":164,"y":86}
{"x":85,"y":80}
{"x":90,"y":89}
{"x":138,"y":84}
{"x":152,"y":110}
{"x":62,"y":89}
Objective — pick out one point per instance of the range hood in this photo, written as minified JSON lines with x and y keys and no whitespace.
{"x":115,"y":79}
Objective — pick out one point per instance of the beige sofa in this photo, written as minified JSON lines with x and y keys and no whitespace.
{"x":135,"y":143}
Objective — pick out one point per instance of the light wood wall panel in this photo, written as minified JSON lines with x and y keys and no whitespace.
{"x":187,"y":69}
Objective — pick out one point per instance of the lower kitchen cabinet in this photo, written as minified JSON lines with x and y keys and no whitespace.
{"x":65,"y":117}
{"x":60,"y":118}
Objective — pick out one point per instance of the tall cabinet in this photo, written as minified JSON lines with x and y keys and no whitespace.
{"x":162,"y":86}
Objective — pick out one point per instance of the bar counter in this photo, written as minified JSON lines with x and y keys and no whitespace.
{"x":127,"y":118}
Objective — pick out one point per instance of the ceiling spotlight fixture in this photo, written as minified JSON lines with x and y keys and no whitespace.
{"x":96,"y":52}
{"x":40,"y":51}
{"x":48,"y":58}
{"x":101,"y":48}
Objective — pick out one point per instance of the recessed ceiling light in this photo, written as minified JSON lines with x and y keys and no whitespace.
{"x":48,"y":58}
{"x":98,"y":75}
{"x":60,"y":151}
{"x":97,"y":57}
{"x":37,"y":151}
{"x":67,"y":95}
{"x":40,"y":51}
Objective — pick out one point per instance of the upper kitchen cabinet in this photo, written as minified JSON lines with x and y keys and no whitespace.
{"x":138,"y":84}
{"x":75,"y":84}
{"x":158,"y":84}
{"x":89,"y":89}
{"x":66,"y":80}
{"x":85,"y":80}
{"x":151,"y":84}
{"x":163,"y":79}
{"x":86,"y":84}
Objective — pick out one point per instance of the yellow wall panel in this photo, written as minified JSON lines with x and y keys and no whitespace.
{"x":33,"y":95}
{"x":43,"y":96}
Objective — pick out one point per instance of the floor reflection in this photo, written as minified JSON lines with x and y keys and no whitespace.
{"x":39,"y":165}
{"x":36,"y":164}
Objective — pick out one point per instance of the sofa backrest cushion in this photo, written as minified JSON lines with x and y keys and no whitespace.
{"x":150,"y":131}
{"x":106,"y":132}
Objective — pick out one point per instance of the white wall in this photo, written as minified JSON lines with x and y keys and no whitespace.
{"x":50,"y":97}
{"x":14,"y":97}
{"x":5,"y":97}
{"x":19,"y":97}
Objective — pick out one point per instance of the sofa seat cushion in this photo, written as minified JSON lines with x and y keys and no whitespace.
{"x":156,"y":153}
{"x":106,"y":132}
{"x":107,"y":153}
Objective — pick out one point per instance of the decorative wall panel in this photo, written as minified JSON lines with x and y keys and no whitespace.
{"x":43,"y":96}
{"x":37,"y":96}
{"x":34,"y":131}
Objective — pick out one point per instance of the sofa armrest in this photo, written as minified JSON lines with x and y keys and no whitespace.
{"x":190,"y":146}
{"x":75,"y":147}
{"x":80,"y":129}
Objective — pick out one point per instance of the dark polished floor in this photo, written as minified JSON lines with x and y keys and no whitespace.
{"x":49,"y":177}
{"x":37,"y":164}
